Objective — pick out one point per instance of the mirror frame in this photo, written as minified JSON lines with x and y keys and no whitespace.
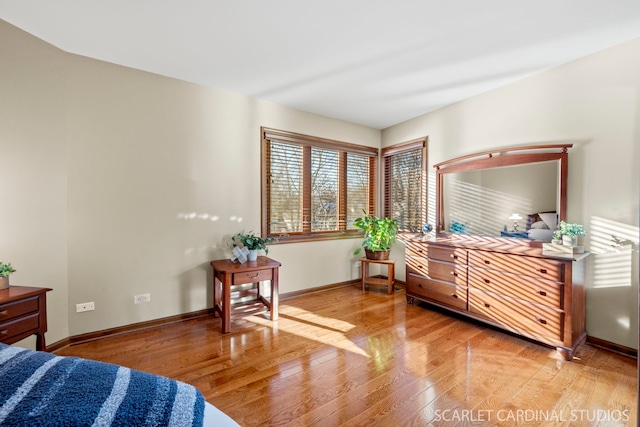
{"x":504,"y":157}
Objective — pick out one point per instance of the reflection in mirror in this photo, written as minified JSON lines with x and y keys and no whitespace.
{"x":517,"y":192}
{"x":481,"y":202}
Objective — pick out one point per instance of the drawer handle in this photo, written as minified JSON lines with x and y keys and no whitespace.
{"x":543,"y":270}
{"x":454,"y":256}
{"x":4,"y":312}
{"x":454,"y":296}
{"x":252,"y":276}
{"x":487,"y":281}
{"x":487,"y":305}
{"x":453,"y":273}
{"x":543,"y":293}
{"x":486,"y":261}
{"x":419,"y":285}
{"x":544,"y":322}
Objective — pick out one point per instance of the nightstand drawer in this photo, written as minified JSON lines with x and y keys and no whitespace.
{"x":19,"y":326}
{"x":11,"y":310}
{"x":252,"y":276}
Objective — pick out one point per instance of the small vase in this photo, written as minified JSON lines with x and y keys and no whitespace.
{"x":253,"y":255}
{"x":569,"y":240}
{"x":4,"y":282}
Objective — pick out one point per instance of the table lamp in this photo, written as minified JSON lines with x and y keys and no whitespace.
{"x":515,"y":218}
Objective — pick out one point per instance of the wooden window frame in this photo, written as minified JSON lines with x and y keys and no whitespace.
{"x":308,"y":142}
{"x":387,"y":154}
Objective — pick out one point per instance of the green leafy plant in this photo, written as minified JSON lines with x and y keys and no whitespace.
{"x":6,"y":269}
{"x":568,"y":229}
{"x":379,"y":233}
{"x":252,"y":241}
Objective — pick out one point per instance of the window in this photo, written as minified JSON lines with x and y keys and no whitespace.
{"x":405,"y":184}
{"x":314,"y":188}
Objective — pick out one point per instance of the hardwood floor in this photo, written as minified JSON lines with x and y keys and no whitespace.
{"x":353,"y":358}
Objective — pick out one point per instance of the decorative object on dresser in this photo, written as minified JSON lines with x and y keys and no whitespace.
{"x":509,"y":285}
{"x":23,"y":312}
{"x":228,"y":276}
{"x":379,"y":235}
{"x":565,"y":239}
{"x":570,"y":233}
{"x":5,"y":271}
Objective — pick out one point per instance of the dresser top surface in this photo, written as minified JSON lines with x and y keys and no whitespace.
{"x":501,"y":245}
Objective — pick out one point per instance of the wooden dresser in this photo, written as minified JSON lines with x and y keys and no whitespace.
{"x":506,"y":284}
{"x":23,"y":312}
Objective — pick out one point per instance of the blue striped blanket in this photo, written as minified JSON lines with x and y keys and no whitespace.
{"x":42,"y":389}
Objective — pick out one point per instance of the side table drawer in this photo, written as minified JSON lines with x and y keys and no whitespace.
{"x":11,"y":310}
{"x":19,"y":326}
{"x":252,"y":276}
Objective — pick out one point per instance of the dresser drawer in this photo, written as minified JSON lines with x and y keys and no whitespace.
{"x":15,"y":309}
{"x":252,"y":276}
{"x":447,"y":272}
{"x":439,"y":253}
{"x":438,"y":270}
{"x":538,"y":322}
{"x":21,"y":325}
{"x":442,"y":292}
{"x":537,"y":291}
{"x":521,"y":265}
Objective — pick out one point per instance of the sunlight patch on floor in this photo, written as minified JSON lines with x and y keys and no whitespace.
{"x":325,"y":330}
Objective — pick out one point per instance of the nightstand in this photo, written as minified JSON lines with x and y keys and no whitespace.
{"x":23,"y":312}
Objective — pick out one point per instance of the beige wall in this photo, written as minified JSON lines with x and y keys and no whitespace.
{"x":112,"y":177}
{"x":34,"y":169}
{"x":593,"y":103}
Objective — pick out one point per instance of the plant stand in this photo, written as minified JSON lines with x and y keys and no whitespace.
{"x":389,"y":281}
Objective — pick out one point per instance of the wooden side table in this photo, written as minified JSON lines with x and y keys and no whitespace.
{"x":226,"y":273}
{"x":389,"y":281}
{"x":23,"y":312}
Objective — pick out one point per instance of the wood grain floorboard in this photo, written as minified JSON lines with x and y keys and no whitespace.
{"x":344,"y":357}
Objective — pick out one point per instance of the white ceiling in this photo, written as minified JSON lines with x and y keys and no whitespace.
{"x":373,"y":62}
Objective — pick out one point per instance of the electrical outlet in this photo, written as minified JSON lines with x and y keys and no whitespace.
{"x":139,"y":299}
{"x":85,"y":306}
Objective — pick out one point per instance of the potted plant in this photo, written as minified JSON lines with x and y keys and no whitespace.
{"x":379,"y":235}
{"x":570,"y":233}
{"x":5,"y":271}
{"x":252,"y":242}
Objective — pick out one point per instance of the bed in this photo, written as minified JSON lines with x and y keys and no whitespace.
{"x":540,"y":226}
{"x":43,"y":389}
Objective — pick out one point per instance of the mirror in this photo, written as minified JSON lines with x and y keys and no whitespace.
{"x":500,"y":193}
